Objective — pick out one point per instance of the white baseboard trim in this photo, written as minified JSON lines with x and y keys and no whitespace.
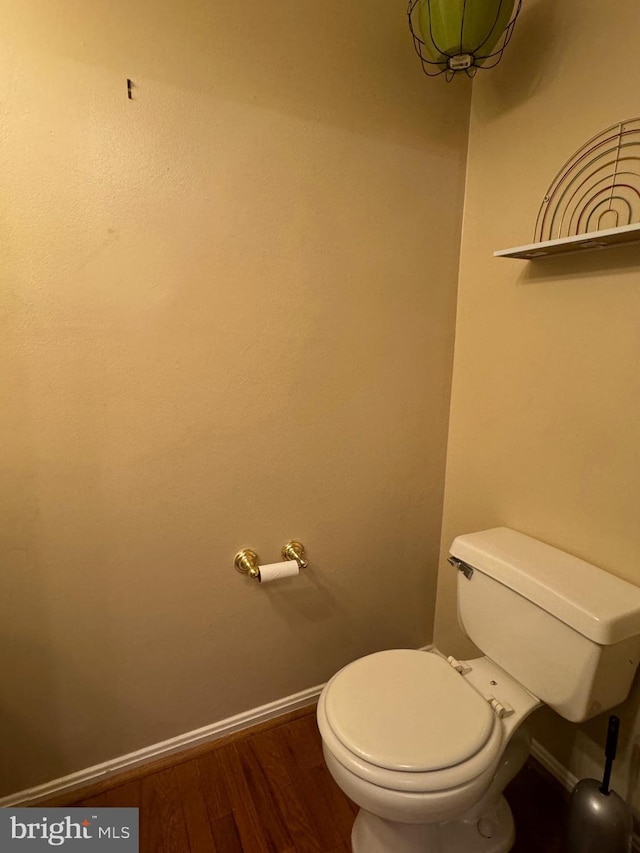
{"x":99,"y":772}
{"x":568,"y":780}
{"x":557,"y":770}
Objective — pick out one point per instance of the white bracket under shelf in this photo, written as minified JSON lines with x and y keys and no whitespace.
{"x":605,"y":239}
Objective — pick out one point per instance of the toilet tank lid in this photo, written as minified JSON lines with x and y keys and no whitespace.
{"x":597,"y":604}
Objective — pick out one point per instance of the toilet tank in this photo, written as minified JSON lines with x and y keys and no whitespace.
{"x":566,"y":630}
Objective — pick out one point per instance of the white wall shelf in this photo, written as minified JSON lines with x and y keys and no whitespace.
{"x":605,"y":239}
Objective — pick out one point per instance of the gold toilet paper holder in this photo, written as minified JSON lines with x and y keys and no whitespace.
{"x":295,"y":551}
{"x":247,"y":561}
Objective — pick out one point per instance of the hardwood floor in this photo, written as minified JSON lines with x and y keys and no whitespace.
{"x":539,"y":805}
{"x":268,"y":791}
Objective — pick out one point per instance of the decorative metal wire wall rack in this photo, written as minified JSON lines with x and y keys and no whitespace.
{"x":594,"y":200}
{"x":597,"y":188}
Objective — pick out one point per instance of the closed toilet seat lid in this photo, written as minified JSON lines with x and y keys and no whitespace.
{"x":407,"y":710}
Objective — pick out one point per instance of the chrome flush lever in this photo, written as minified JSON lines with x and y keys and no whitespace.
{"x":461,"y":566}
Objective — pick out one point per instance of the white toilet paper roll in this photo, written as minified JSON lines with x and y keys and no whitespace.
{"x":275,"y":571}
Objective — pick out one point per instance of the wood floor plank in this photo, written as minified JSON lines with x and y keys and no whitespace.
{"x":98,"y":802}
{"x":226,"y":836}
{"x":273,"y":823}
{"x":162,"y":823}
{"x":299,"y":820}
{"x":539,"y":809}
{"x":213,"y":784}
{"x":127,"y":795}
{"x":271,"y":754}
{"x":304,"y":742}
{"x":201,"y":839}
{"x":245,"y":814}
{"x":328,"y":831}
{"x":342,"y":810}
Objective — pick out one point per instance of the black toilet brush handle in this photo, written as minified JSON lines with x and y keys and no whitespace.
{"x":610,"y":751}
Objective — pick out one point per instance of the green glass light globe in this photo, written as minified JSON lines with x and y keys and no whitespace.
{"x":454,"y":29}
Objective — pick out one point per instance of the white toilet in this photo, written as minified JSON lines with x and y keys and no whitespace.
{"x":425,"y":745}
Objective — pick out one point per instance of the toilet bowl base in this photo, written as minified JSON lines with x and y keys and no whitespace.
{"x":372,"y":834}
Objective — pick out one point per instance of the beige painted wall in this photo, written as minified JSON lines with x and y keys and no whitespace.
{"x":545,"y":419}
{"x":226,"y":319}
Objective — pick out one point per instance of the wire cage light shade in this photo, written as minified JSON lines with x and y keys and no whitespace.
{"x":460,"y":36}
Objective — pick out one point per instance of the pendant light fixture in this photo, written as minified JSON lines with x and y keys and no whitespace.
{"x":454,"y":36}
